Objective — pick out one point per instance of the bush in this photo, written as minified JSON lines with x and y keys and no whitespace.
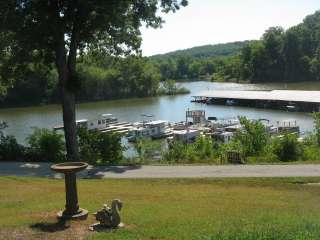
{"x":253,"y":138}
{"x":288,"y":148}
{"x":149,"y":150}
{"x":169,"y":87}
{"x":97,"y":147}
{"x":10,"y":150}
{"x":45,"y":146}
{"x":233,"y":146}
{"x":316,"y":120}
{"x":202,"y":150}
{"x":177,"y":152}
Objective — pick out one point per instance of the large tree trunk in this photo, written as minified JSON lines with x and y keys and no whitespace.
{"x":69,"y":121}
{"x":68,"y":101}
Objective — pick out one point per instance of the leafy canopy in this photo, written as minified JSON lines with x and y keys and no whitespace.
{"x":111,"y":25}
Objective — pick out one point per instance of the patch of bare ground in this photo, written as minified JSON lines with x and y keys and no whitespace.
{"x":49,"y":229}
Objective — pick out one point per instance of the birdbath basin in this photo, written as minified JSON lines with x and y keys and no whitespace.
{"x":69,"y":169}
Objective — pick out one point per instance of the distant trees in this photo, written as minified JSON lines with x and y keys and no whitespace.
{"x":198,"y":62}
{"x":291,"y":55}
{"x":117,"y":78}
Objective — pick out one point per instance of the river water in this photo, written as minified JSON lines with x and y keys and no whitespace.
{"x":171,"y":108}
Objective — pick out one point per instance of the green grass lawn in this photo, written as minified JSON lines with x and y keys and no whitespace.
{"x":202,"y":209}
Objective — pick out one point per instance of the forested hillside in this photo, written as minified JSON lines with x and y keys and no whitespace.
{"x":279,"y":56}
{"x":217,"y":50}
{"x":291,"y":55}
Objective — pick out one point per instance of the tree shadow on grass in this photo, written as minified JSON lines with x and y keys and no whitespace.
{"x":50,"y":227}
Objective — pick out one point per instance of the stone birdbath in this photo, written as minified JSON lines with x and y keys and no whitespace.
{"x":69,"y":169}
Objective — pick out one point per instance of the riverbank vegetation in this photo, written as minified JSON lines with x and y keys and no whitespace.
{"x":199,"y":209}
{"x":102,"y":78}
{"x":252,"y":145}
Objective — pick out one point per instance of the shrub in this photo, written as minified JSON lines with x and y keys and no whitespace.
{"x":149,"y":150}
{"x":233,"y":146}
{"x":10,"y":149}
{"x":97,"y":147}
{"x":177,"y":152}
{"x":202,"y":150}
{"x":311,"y":152}
{"x":169,"y":87}
{"x":287,"y":148}
{"x":253,"y":138}
{"x":316,"y":119}
{"x":45,"y":145}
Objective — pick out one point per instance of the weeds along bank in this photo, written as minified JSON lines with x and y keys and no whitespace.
{"x":253,"y":144}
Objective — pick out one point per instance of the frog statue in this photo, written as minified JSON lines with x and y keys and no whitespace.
{"x":110,"y":217}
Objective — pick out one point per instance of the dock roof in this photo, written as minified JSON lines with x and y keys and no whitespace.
{"x":274,"y":95}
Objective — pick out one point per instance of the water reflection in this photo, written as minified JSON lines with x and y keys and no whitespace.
{"x":172,"y":108}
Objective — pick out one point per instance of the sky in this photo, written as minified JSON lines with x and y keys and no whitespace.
{"x":220,"y":21}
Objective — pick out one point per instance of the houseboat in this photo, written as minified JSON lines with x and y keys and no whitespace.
{"x":152,"y":129}
{"x":185,"y":135}
{"x":103,"y":121}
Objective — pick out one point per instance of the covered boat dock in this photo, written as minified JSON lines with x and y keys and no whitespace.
{"x":290,"y":100}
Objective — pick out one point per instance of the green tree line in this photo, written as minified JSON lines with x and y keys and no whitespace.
{"x":292,"y":55}
{"x":279,"y":56}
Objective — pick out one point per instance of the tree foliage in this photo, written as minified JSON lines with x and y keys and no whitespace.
{"x":55,"y":32}
{"x":253,"y":138}
{"x":96,"y":147}
{"x":291,"y":55}
{"x":45,"y":146}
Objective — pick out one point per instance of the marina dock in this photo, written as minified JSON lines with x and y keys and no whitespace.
{"x":291,"y":100}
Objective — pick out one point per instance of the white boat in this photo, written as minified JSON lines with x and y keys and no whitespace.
{"x":186,"y":135}
{"x":152,"y":129}
{"x":222,"y":123}
{"x":104,"y":121}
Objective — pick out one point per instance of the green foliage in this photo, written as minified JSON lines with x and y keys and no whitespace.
{"x":233,"y":146}
{"x":253,"y":138}
{"x":316,"y":119}
{"x":97,"y":147}
{"x":111,"y":78}
{"x":107,"y":27}
{"x":284,"y":55}
{"x":310,"y":147}
{"x":206,"y":51}
{"x":45,"y":146}
{"x":288,"y":148}
{"x":170,"y":87}
{"x":292,"y":55}
{"x":150,"y":150}
{"x":201,"y":150}
{"x":10,"y":149}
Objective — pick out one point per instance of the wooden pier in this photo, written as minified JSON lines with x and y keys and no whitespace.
{"x":290,"y":100}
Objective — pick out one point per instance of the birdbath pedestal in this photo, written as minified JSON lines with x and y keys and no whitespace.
{"x":69,"y":169}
